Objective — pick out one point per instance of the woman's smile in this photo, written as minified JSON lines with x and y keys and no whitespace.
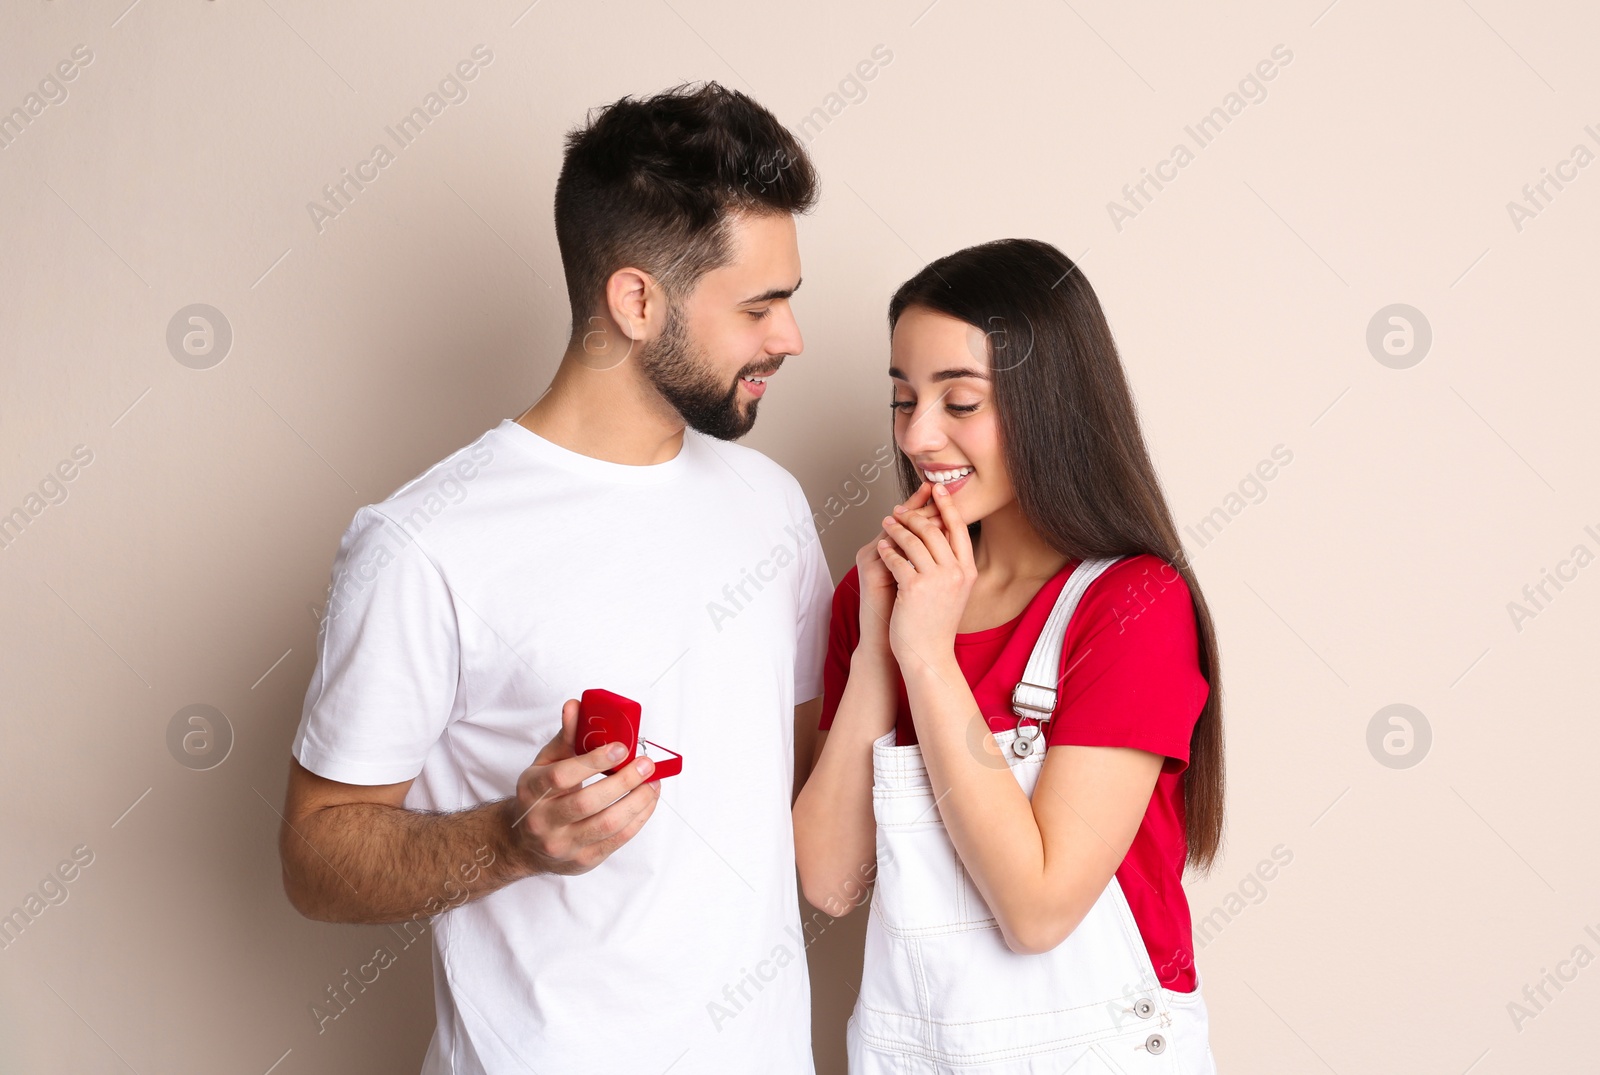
{"x":952,"y":478}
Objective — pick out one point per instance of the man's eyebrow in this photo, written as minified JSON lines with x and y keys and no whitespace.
{"x":943,"y":375}
{"x":775,"y":293}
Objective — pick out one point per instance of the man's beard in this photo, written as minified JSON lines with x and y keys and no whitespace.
{"x":684,"y":378}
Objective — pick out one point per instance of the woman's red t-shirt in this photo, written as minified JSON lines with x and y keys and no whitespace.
{"x":1132,"y":663}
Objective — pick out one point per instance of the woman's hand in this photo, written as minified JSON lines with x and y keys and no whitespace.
{"x":933,"y":570}
{"x":877,"y":584}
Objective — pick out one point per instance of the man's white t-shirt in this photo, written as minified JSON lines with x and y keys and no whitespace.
{"x":516,"y":574}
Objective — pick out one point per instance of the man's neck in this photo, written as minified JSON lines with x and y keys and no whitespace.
{"x":604,"y":410}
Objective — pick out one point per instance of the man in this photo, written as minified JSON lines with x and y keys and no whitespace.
{"x":589,"y":923}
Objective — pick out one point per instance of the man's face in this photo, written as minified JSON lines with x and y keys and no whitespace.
{"x":735,"y":324}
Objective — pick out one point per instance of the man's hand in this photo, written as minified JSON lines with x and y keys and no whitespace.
{"x":563,"y":828}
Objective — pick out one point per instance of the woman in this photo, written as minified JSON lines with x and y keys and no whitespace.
{"x":1022,"y":741}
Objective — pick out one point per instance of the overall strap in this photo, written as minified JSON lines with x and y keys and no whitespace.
{"x":1035,"y":695}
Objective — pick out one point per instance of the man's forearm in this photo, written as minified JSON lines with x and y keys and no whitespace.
{"x":371,"y":863}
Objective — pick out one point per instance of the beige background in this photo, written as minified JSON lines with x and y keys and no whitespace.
{"x":189,"y":558}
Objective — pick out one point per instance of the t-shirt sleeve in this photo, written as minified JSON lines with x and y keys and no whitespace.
{"x":1132,"y":663}
{"x":388,"y":660}
{"x":844,"y":628}
{"x":816,"y":586}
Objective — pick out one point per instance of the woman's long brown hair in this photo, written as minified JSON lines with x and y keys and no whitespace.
{"x":1073,"y":448}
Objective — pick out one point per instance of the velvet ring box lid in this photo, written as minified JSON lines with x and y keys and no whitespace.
{"x":606,"y":717}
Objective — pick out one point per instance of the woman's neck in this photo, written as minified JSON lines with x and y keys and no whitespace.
{"x":1009,"y":549}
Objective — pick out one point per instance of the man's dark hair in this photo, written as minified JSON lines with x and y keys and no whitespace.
{"x":651,"y":183}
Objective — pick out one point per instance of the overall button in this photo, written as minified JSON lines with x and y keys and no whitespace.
{"x":1143,"y":1009}
{"x":1156,"y":1044}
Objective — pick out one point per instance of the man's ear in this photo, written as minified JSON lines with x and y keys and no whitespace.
{"x":636,"y":303}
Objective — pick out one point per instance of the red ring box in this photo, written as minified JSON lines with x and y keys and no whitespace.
{"x":605,"y":717}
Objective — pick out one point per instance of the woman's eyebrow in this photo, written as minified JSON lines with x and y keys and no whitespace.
{"x":775,"y":293}
{"x":943,"y":375}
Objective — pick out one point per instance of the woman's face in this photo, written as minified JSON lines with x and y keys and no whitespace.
{"x":944,"y":416}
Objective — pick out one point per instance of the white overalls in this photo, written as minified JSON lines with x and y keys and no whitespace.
{"x":942,"y":993}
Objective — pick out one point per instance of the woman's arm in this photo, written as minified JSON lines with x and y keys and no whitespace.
{"x":835,"y":834}
{"x":1040,"y":864}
